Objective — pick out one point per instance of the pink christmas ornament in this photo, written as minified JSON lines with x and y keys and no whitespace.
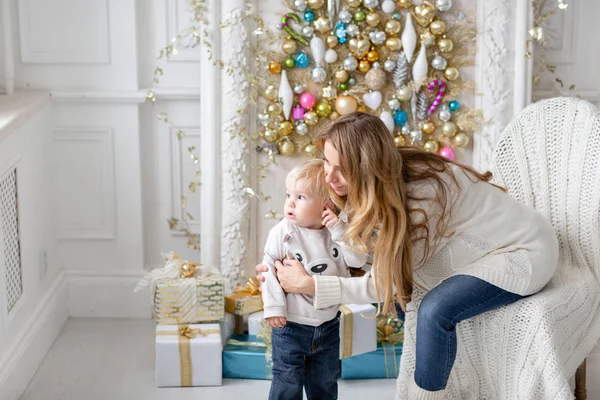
{"x":298,"y":113}
{"x":307,"y":100}
{"x":447,"y":152}
{"x":440,"y":95}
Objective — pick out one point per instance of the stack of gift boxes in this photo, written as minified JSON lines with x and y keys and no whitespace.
{"x":201,"y":333}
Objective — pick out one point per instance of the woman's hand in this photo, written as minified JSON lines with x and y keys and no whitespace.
{"x":293,"y":277}
{"x":276,"y":322}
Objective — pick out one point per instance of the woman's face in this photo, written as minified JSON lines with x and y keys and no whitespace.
{"x":332,"y":168}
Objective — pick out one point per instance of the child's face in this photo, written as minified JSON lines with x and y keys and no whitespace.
{"x":302,"y":208}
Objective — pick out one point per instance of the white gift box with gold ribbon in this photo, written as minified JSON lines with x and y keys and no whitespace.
{"x":188,"y":355}
{"x":358,"y":329}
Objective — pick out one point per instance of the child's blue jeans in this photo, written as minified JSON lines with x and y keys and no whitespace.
{"x":306,"y":356}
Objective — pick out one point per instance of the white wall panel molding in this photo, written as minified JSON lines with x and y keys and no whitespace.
{"x":47,"y":31}
{"x":84,"y":183}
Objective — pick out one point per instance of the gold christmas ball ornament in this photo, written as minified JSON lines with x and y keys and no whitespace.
{"x":388,"y":330}
{"x":451,"y":73}
{"x":372,"y":56}
{"x":404,"y":3}
{"x":364,"y":66}
{"x":274,"y":67}
{"x":286,"y":128}
{"x":270,"y":92}
{"x":373,"y":19}
{"x":428,"y":127}
{"x":353,"y":3}
{"x":449,"y":129}
{"x":286,"y":148}
{"x":270,"y":135}
{"x":392,"y":27}
{"x":393,"y":44}
{"x":289,"y":46}
{"x":316,"y":4}
{"x":445,"y":45}
{"x":437,"y":27}
{"x":187,"y":269}
{"x":332,"y":41}
{"x":460,"y":140}
{"x":324,"y":109}
{"x":404,"y":93}
{"x":311,"y":118}
{"x":334,"y":115}
{"x":399,"y":141}
{"x":342,"y":76}
{"x":361,"y":108}
{"x":274,"y":108}
{"x":431,"y":146}
{"x":376,"y":79}
{"x":309,"y":150}
{"x":346,"y":104}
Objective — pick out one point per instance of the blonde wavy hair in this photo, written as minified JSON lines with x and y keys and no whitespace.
{"x":379,"y":177}
{"x":311,"y":176}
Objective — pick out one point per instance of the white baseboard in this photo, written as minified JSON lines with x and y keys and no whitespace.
{"x":22,"y":359}
{"x":108,"y":295}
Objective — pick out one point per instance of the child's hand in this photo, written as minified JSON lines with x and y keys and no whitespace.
{"x":276,"y":322}
{"x":329,"y":217}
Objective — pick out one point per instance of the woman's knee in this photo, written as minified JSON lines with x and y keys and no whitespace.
{"x":433,"y":311}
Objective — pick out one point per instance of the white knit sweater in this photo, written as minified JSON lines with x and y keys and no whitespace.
{"x":489,"y":235}
{"x":549,"y":159}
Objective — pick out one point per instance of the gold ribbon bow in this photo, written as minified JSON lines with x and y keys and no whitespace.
{"x":185,"y":334}
{"x":252,"y":287}
{"x":385,"y":332}
{"x":190,"y":333}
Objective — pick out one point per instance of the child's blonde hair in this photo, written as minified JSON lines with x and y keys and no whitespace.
{"x":311,"y":176}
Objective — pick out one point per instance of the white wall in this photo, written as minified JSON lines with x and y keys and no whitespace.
{"x":2,"y":51}
{"x":40,"y":311}
{"x":572,"y":40}
{"x":125,"y":169}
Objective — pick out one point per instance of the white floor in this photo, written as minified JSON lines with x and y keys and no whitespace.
{"x":111,"y":359}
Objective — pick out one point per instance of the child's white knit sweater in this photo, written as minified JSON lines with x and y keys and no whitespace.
{"x":322,"y":252}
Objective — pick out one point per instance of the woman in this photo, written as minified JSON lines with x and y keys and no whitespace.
{"x":429,"y":222}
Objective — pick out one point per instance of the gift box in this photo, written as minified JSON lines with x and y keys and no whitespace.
{"x":379,"y":364}
{"x":247,"y":357}
{"x":227,"y":327}
{"x":254,"y":321}
{"x":188,"y":355}
{"x":184,"y":292}
{"x":245,"y":299}
{"x":189,"y":300}
{"x":358,"y":333}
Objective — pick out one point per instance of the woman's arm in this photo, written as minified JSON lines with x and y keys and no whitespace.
{"x":332,"y":290}
{"x":327,"y":290}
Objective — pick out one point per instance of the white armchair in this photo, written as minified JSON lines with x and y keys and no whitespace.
{"x":549,"y":158}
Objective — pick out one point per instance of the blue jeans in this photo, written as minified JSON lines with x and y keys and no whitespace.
{"x":306,"y":356}
{"x":457,"y":298}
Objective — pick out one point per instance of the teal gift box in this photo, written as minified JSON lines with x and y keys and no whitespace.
{"x":247,"y":357}
{"x":379,"y":364}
